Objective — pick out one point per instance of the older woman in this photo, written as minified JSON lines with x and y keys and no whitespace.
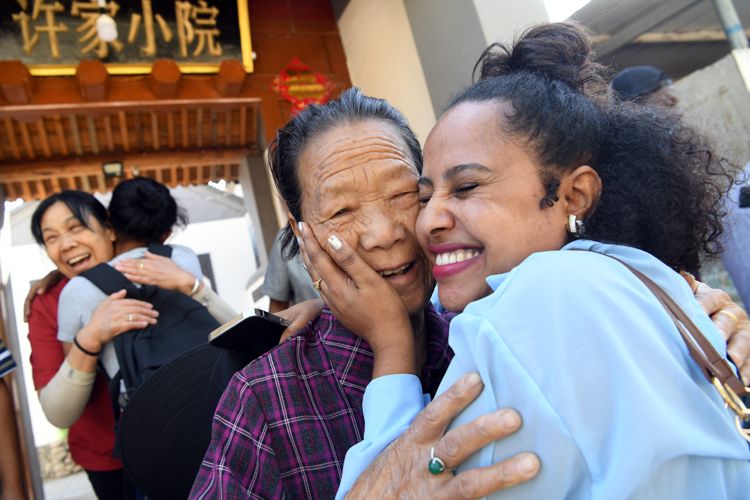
{"x":522,"y":167}
{"x":286,"y":420}
{"x":72,"y":227}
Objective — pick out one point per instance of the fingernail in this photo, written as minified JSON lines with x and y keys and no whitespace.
{"x":299,"y":226}
{"x":472,"y":380}
{"x":528,"y":463}
{"x":509,"y":420}
{"x":335,"y":242}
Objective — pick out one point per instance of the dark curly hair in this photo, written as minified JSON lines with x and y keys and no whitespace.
{"x":144,"y":210}
{"x":290,"y":141}
{"x":662,"y":186}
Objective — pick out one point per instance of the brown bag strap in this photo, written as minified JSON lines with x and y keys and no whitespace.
{"x":713,"y":364}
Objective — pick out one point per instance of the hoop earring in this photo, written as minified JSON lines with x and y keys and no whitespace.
{"x":575,"y":226}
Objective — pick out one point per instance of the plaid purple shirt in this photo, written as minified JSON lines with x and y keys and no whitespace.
{"x":286,"y":421}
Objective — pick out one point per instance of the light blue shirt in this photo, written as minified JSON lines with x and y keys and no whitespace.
{"x":612,"y":403}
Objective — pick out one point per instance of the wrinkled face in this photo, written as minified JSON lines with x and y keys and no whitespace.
{"x":359,"y":181}
{"x":71,"y":246}
{"x":480,"y":196}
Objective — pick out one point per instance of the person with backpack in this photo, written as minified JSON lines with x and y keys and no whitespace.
{"x":142,"y":214}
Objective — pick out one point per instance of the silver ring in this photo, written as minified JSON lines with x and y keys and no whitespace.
{"x":435,"y":465}
{"x":130,"y":318}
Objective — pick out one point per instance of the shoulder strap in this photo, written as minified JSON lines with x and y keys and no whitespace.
{"x":109,"y":280}
{"x":159,"y":249}
{"x":713,"y":364}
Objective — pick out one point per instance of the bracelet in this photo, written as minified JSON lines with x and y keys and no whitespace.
{"x":196,"y":286}
{"x":83,"y":350}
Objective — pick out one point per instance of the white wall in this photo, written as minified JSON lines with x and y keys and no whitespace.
{"x":383,"y":61}
{"x":501,"y":21}
{"x":232,"y":258}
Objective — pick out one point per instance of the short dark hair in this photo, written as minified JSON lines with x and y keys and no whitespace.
{"x":290,"y":141}
{"x":143,"y":210}
{"x":81,"y":205}
{"x":662,"y":187}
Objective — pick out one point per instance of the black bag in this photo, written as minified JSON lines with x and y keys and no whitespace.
{"x":182,"y":325}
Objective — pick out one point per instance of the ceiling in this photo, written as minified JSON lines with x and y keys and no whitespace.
{"x":678,"y":36}
{"x":58,"y":132}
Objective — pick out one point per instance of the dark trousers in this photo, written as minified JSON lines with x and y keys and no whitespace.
{"x":111,"y":485}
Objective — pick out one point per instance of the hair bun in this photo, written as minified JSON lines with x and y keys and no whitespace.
{"x":151,"y":198}
{"x":559,"y":50}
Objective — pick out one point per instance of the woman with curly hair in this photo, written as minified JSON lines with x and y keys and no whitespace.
{"x":536,"y":189}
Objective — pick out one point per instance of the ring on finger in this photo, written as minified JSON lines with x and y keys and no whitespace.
{"x":435,"y":465}
{"x":317,"y":283}
{"x":140,"y":266}
{"x":729,"y":314}
{"x":130,"y":318}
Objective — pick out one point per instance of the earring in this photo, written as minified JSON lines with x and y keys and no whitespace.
{"x":575,"y":225}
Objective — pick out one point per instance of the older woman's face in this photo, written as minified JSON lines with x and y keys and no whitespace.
{"x":480,"y":196}
{"x":358,"y":180}
{"x":71,"y":246}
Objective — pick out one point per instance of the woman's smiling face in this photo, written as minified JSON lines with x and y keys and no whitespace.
{"x":358,"y":180}
{"x":480,"y":203}
{"x":73,"y":247}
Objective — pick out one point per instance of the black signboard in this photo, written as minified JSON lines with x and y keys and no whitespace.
{"x":52,"y":36}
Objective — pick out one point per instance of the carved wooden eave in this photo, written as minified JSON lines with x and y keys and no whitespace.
{"x":57,"y":132}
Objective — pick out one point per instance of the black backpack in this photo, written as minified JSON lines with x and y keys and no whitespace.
{"x":183,"y":324}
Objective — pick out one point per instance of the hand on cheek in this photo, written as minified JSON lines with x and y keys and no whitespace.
{"x":361,"y":300}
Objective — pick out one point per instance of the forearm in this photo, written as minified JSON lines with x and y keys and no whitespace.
{"x":219,"y":309}
{"x":65,"y":397}
{"x":10,"y":463}
{"x":79,"y":360}
{"x":390,"y":404}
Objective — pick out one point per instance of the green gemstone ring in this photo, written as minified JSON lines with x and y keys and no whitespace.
{"x":435,"y":465}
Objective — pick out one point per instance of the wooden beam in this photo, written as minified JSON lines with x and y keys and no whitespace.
{"x":43,"y":140}
{"x":199,"y":127}
{"x":154,"y":131}
{"x":93,"y":80}
{"x":33,"y":111}
{"x":184,"y":117}
{"x":649,"y":18}
{"x":12,"y":142}
{"x":170,"y":130}
{"x":16,"y":82}
{"x":26,"y":139}
{"x":76,"y":134}
{"x":230,"y":78}
{"x":93,"y":137}
{"x":62,"y":140}
{"x":228,"y":128}
{"x":675,"y":37}
{"x":164,"y":78}
{"x":124,"y":130}
{"x":212,"y":127}
{"x":108,"y":132}
{"x":243,"y":125}
{"x":92,"y":165}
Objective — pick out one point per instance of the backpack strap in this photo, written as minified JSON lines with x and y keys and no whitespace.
{"x":109,"y":280}
{"x":159,"y":249}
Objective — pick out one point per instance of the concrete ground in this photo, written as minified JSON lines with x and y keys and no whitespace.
{"x":73,"y":487}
